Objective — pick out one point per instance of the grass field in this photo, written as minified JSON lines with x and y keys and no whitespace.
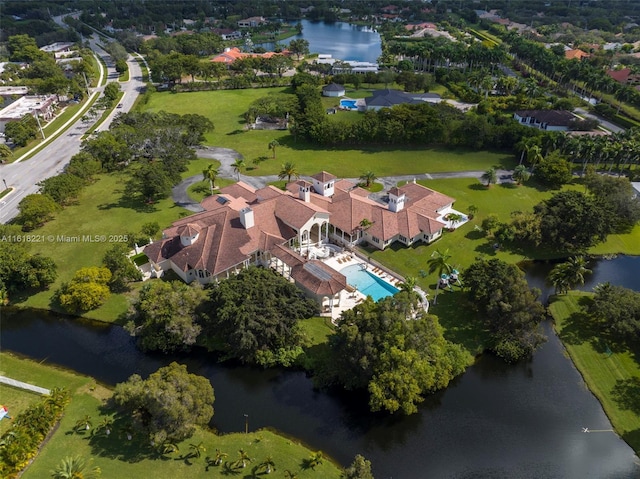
{"x":613,"y":378}
{"x":226,"y":107}
{"x":120,"y":458}
{"x":16,"y":400}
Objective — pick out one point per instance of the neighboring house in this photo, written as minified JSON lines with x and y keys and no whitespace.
{"x":549,"y":120}
{"x":243,"y":226}
{"x":624,"y":76}
{"x":230,"y":55}
{"x":576,"y":54}
{"x":388,"y":98}
{"x":353,"y":66}
{"x":227,"y":33}
{"x":636,"y":187}
{"x":333,"y":89}
{"x":251,"y":22}
{"x":59,"y":49}
{"x":42,"y":106}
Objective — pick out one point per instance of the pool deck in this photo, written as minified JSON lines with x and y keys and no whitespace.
{"x":349,"y":300}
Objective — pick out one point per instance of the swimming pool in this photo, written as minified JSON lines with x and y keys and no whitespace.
{"x":350,"y":104}
{"x":367,"y":283}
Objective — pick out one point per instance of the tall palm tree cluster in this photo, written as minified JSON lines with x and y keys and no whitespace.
{"x":620,"y":150}
{"x":582,"y":77}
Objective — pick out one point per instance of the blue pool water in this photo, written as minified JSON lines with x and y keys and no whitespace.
{"x":368,"y":283}
{"x":350,"y":104}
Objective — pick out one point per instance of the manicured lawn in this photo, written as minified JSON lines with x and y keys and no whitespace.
{"x":118,"y":457}
{"x":226,"y":107}
{"x":613,"y":378}
{"x":104,"y":208}
{"x":317,"y":329}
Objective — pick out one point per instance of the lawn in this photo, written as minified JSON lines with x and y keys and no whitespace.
{"x":118,"y":457}
{"x":226,"y":107}
{"x":613,"y":378}
{"x":16,"y":400}
{"x":103,"y":208}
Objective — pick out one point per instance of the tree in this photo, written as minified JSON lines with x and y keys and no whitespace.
{"x":170,"y":403}
{"x":210,"y":173}
{"x":507,"y":307}
{"x":616,"y":311}
{"x":567,"y":275}
{"x":83,"y":424}
{"x":439,"y":263}
{"x":219,"y":457}
{"x":376,"y":348}
{"x":243,"y":459}
{"x":299,"y":47}
{"x":316,"y":459}
{"x":5,"y":152}
{"x":87,"y":290}
{"x":197,"y":449}
{"x":165,"y":317}
{"x":490,"y":176}
{"x":151,"y":182}
{"x":571,"y":221}
{"x":123,"y":271}
{"x":288,"y":170}
{"x":75,"y":468}
{"x":368,"y":177}
{"x":22,"y":131}
{"x":112,"y":92}
{"x":360,"y":468}
{"x":63,"y":188}
{"x":237,"y":166}
{"x":521,"y":174}
{"x":36,"y":210}
{"x":273,"y":145}
{"x":254,"y":315}
{"x":267,"y":465}
{"x":554,"y":171}
{"x":617,"y":197}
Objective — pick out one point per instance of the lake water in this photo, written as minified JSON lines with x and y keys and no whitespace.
{"x":341,"y":40}
{"x":495,"y":421}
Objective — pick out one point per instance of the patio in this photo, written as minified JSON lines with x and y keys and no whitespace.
{"x":455,"y":223}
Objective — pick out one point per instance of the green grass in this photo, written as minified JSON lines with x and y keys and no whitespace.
{"x":316,"y":329}
{"x":4,"y":193}
{"x":104,"y":208}
{"x":124,"y":77}
{"x":614,"y":379}
{"x":117,"y":457}
{"x":200,"y":190}
{"x":16,"y":400}
{"x":226,"y":107}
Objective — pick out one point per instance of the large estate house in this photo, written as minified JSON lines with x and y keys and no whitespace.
{"x":243,"y":226}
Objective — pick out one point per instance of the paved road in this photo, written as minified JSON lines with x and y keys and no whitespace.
{"x":227,"y":157}
{"x":23,"y":176}
{"x":607,"y":124}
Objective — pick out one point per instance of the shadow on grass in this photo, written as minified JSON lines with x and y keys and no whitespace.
{"x":626,"y":394}
{"x":508,"y":185}
{"x":478,"y":187}
{"x":633,"y":439}
{"x":461,"y":326}
{"x":578,"y":328}
{"x":118,"y":446}
{"x":130,"y":202}
{"x":487,"y":248}
{"x":236,"y":132}
{"x":475,"y":235}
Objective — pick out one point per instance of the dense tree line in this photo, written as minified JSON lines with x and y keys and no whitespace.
{"x":397,"y":356}
{"x":616,"y":313}
{"x":506,"y":306}
{"x":408,"y":124}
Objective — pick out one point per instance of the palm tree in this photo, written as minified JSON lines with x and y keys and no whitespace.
{"x":521,"y":174}
{"x":273,"y":144}
{"x":290,"y":475}
{"x":197,"y":449}
{"x":567,"y":275}
{"x":439,"y":262}
{"x":368,"y":177}
{"x":127,"y":430}
{"x":472,"y":209}
{"x":210,"y":173}
{"x":534,"y":155}
{"x":169,"y":447}
{"x":288,"y":170}
{"x":75,"y":468}
{"x":490,"y":176}
{"x":83,"y":424}
{"x":219,"y":457}
{"x":106,"y":425}
{"x":243,"y":458}
{"x":409,"y":284}
{"x":267,"y":465}
{"x":316,"y":459}
{"x":237,"y":166}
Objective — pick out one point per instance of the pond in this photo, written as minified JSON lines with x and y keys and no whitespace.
{"x":343,"y":41}
{"x":495,"y":421}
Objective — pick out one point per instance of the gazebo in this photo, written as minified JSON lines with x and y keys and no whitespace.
{"x":333,"y":89}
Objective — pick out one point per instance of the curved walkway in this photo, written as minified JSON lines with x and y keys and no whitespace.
{"x":227,"y":157}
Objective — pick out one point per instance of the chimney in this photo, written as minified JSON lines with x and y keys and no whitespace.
{"x":246,"y":218}
{"x":304,"y":193}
